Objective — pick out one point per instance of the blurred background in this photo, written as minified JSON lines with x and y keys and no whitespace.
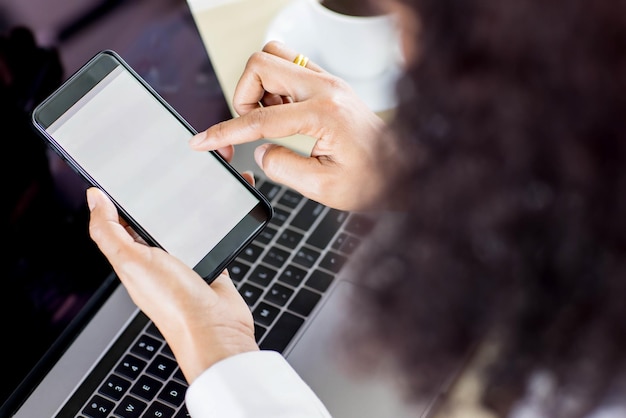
{"x":157,"y":37}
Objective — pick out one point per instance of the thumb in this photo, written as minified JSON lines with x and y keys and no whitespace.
{"x":104,"y":226}
{"x":101,"y":208}
{"x":294,"y":170}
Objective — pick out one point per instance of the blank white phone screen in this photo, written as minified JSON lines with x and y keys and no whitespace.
{"x":137,"y":151}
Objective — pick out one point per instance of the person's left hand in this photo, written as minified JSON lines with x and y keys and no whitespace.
{"x":202,"y":324}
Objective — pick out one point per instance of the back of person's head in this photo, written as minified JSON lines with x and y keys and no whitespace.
{"x":514,"y":120}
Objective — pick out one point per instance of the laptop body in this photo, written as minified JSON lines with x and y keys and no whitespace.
{"x":310,"y":351}
{"x":106,"y":357}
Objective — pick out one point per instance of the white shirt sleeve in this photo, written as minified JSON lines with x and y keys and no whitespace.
{"x":254,"y":384}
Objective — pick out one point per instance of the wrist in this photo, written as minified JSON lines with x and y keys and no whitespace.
{"x":196,"y":350}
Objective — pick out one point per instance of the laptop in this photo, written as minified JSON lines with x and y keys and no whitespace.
{"x":79,"y":347}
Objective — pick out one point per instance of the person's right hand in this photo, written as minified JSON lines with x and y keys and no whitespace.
{"x":276,"y":98}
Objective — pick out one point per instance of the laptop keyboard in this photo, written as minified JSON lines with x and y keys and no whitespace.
{"x":282,"y":275}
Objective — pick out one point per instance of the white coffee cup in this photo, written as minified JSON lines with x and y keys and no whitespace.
{"x":354,"y":47}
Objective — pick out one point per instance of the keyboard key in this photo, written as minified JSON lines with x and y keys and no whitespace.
{"x":278,"y":294}
{"x":98,"y":407}
{"x":262,"y":275}
{"x":276,"y":257}
{"x":250,"y":293}
{"x":304,"y":302}
{"x":265,"y":314}
{"x":350,"y":245}
{"x":269,"y":189}
{"x":173,"y":393}
{"x":309,"y":213}
{"x":154,"y":331}
{"x":130,"y":407}
{"x":237,"y":270}
{"x":114,"y":387}
{"x":183,"y":413}
{"x":146,"y":347}
{"x":290,"y":198}
{"x":167,"y":350}
{"x":289,"y":238}
{"x":178,"y":375}
{"x":146,"y":387}
{"x":320,"y":280}
{"x":162,"y":367}
{"x":327,"y":228}
{"x":282,"y":333}
{"x":339,"y":241}
{"x":130,"y":366}
{"x":259,"y":331}
{"x":158,"y":410}
{"x":360,"y":225}
{"x":280,"y":217}
{"x":251,"y":253}
{"x":266,"y":235}
{"x":306,"y":257}
{"x":292,"y":275}
{"x":333,"y":262}
{"x":346,"y":243}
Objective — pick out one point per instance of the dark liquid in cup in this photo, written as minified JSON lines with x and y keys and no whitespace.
{"x":353,"y":7}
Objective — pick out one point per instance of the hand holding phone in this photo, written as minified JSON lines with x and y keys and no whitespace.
{"x":122,"y":137}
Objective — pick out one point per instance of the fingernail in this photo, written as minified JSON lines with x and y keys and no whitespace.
{"x":196,"y":139}
{"x":91,"y":200}
{"x":259,"y":152}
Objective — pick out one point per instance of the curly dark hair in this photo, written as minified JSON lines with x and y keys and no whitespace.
{"x":514,"y":117}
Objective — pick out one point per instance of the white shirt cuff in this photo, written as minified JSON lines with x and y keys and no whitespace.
{"x":253,"y":384}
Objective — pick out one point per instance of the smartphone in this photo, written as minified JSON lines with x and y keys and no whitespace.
{"x":121,"y":136}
